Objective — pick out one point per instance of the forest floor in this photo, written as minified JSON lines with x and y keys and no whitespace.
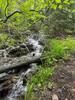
{"x":63,"y":87}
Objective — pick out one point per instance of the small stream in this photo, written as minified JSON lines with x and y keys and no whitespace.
{"x":19,"y":84}
{"x":19,"y":88}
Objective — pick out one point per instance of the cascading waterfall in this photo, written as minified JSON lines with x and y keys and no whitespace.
{"x":18,"y":87}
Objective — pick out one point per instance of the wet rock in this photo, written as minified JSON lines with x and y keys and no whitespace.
{"x":55,"y":97}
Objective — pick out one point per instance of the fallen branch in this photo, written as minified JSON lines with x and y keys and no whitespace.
{"x":7,"y":63}
{"x":13,"y":63}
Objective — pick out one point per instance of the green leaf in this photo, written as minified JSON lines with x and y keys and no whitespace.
{"x":54,"y":6}
{"x":58,"y":1}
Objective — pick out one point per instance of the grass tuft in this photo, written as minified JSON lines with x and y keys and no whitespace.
{"x":39,"y":80}
{"x":58,"y":49}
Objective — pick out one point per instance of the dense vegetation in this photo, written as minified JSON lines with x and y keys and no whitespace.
{"x":56,"y":50}
{"x":55,"y":19}
{"x":52,"y":16}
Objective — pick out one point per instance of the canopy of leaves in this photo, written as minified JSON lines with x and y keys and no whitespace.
{"x":22,"y":14}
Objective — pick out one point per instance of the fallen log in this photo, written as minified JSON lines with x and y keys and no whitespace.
{"x":34,"y":54}
{"x":13,"y":63}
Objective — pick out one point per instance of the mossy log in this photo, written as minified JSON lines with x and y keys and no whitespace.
{"x":17,"y":62}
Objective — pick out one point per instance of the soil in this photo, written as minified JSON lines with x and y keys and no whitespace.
{"x":63,"y":87}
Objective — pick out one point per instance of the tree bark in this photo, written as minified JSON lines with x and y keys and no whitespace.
{"x":17,"y":62}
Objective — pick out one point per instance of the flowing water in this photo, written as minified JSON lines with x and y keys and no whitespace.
{"x":19,"y":87}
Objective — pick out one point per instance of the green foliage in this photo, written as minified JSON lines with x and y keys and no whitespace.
{"x":60,"y":22}
{"x":38,"y":80}
{"x":41,"y":76}
{"x":58,"y":15}
{"x":3,"y":37}
{"x":6,"y":41}
{"x":51,"y":16}
{"x":11,"y":42}
{"x":69,"y":44}
{"x":58,"y":49}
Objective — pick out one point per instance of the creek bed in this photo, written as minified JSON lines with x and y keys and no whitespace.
{"x":13,"y":80}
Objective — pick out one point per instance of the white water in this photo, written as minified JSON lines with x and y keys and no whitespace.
{"x":18,"y":87}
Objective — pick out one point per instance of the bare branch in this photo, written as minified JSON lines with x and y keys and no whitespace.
{"x":6,"y":8}
{"x":7,"y":17}
{"x":10,"y":15}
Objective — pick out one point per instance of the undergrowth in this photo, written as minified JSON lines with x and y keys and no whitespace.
{"x":7,"y":41}
{"x":55,"y":49}
{"x":39,"y":80}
